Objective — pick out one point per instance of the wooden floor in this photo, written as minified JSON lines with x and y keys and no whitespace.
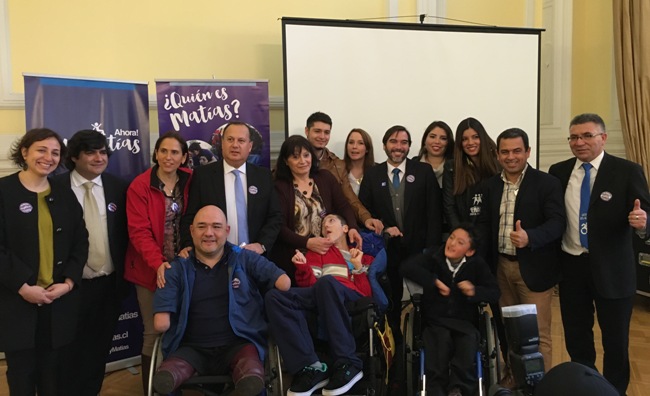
{"x":124,"y":383}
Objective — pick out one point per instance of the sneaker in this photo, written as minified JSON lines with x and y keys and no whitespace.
{"x":343,"y":378}
{"x":308,"y":380}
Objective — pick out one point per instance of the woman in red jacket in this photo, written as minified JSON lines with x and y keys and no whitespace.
{"x":155,"y":203}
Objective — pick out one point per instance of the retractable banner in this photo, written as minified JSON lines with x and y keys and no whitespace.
{"x":119,"y":110}
{"x":199,"y":110}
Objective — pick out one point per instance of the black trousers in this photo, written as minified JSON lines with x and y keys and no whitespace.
{"x":38,"y":369}
{"x":87,"y":355}
{"x":578,"y":299}
{"x":450,"y":348}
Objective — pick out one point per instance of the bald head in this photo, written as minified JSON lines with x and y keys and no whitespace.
{"x":209,"y":233}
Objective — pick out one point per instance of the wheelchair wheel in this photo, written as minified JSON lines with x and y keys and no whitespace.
{"x":410,"y":354}
{"x":273,"y":368}
{"x":491,"y":363}
{"x":156,"y":360}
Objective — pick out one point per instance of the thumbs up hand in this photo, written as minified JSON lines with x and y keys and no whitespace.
{"x":638,"y":217}
{"x":519,"y":237}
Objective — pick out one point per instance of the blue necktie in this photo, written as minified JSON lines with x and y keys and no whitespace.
{"x":242,"y":218}
{"x":396,"y":178}
{"x":585,"y":194}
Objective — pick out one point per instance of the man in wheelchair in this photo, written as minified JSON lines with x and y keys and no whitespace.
{"x":454,"y":282}
{"x":211,"y":309}
{"x":328,"y":282}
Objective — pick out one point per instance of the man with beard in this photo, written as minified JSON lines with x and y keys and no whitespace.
{"x":405,"y":196}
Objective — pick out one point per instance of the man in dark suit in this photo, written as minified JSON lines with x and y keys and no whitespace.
{"x":103,"y":286}
{"x":405,"y":196}
{"x":216,"y":184}
{"x":522,"y":221}
{"x":597,"y":260}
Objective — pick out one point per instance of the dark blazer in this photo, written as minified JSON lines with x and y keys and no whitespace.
{"x":207,"y":188}
{"x":540,"y":207}
{"x":611,"y":254}
{"x":422,"y":203}
{"x":19,"y":262}
{"x":288,"y":241}
{"x":425,"y":268}
{"x":118,"y":237}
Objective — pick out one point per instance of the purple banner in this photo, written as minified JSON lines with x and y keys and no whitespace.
{"x":119,"y":110}
{"x":199,"y":110}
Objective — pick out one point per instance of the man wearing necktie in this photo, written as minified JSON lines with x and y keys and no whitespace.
{"x":405,"y":195}
{"x":103,"y":198}
{"x":242,"y":190}
{"x":606,"y":201}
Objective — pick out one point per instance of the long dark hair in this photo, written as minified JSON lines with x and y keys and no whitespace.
{"x":294,"y":146}
{"x":449,"y":150}
{"x":468,"y":172}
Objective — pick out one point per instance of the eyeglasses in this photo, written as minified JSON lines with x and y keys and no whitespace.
{"x":586,"y":137}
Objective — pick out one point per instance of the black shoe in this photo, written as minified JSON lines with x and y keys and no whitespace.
{"x":163,"y":382}
{"x":308,"y":380}
{"x":250,"y":385}
{"x":343,"y":378}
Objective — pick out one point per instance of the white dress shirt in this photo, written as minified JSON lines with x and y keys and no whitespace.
{"x":231,"y":204}
{"x":77,"y":184}
{"x":571,"y":238}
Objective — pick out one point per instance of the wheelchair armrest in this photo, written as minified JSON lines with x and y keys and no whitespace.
{"x":416,"y":299}
{"x":361,"y":305}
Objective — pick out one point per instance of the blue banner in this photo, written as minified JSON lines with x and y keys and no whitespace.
{"x":119,"y":110}
{"x":199,"y":110}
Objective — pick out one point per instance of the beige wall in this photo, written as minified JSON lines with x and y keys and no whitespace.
{"x":146,"y":39}
{"x":593,"y":58}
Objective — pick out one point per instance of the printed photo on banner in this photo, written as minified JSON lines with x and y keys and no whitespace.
{"x":200,"y":110}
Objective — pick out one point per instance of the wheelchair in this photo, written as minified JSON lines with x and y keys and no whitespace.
{"x":488,"y":363}
{"x":216,"y":385}
{"x":367,"y":316}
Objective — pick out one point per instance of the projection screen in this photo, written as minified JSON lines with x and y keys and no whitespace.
{"x":373,"y":75}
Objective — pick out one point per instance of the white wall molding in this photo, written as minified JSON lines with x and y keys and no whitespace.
{"x":555,"y":81}
{"x":433,"y":8}
{"x":529,"y":13}
{"x":9,"y":99}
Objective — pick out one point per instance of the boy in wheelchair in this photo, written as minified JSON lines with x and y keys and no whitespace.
{"x":454,"y":282}
{"x":211,"y":310}
{"x":327,"y":282}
